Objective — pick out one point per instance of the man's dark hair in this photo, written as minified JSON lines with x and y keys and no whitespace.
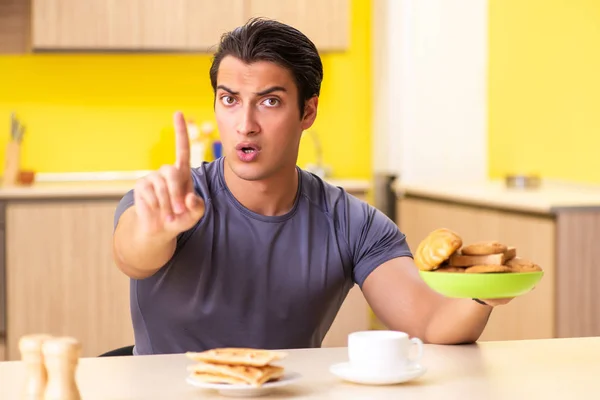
{"x":263,"y":39}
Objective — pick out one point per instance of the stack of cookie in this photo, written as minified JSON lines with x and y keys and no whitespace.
{"x":443,"y":251}
{"x":236,"y":366}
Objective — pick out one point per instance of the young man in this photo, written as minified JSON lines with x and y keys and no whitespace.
{"x":250,"y":250}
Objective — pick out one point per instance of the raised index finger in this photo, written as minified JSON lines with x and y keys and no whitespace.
{"x":182,"y":142}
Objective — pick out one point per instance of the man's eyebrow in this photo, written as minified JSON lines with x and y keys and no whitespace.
{"x":271,"y":90}
{"x":261,"y":93}
{"x":225,"y":88}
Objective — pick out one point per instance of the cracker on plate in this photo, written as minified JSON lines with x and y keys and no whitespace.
{"x":255,"y":376}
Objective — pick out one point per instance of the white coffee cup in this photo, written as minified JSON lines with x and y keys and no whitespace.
{"x":381,"y":351}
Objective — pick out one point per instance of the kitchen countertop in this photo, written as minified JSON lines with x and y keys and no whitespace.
{"x":541,"y":369}
{"x":116,"y":188}
{"x":550,"y":198}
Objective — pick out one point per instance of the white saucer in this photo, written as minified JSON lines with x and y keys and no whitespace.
{"x":230,"y":390}
{"x":346,"y":372}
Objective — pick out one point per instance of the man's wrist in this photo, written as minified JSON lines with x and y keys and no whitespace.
{"x":146,"y":238}
{"x":480,"y":302}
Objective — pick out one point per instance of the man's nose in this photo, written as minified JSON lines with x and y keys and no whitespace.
{"x":248,"y":125}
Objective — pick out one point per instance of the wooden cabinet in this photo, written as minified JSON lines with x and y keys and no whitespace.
{"x":14,"y":26}
{"x":177,"y":25}
{"x":188,"y":24}
{"x":354,"y":315}
{"x":133,"y":24}
{"x":90,"y":24}
{"x":531,"y":316}
{"x":325,"y":22}
{"x":60,"y":277}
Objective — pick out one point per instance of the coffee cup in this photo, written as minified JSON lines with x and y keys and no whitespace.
{"x":382,"y":351}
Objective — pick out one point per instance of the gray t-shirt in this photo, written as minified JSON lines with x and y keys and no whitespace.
{"x":246,"y":280}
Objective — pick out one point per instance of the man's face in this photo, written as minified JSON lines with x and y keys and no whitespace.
{"x":256,"y":108}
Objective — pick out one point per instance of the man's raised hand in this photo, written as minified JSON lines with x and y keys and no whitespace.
{"x":165,"y":201}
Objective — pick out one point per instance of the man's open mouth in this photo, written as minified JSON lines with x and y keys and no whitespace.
{"x":247,"y":148}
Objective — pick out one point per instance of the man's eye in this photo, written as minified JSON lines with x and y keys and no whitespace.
{"x":271,"y":102}
{"x":227,"y":100}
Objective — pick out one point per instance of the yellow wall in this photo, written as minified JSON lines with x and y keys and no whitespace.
{"x":544,"y":94}
{"x":97,"y":112}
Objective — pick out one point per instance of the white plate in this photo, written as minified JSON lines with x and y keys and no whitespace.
{"x":246,"y":390}
{"x":346,"y":372}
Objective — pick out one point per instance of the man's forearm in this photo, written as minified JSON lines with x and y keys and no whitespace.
{"x":457,"y":321}
{"x":136,"y":253}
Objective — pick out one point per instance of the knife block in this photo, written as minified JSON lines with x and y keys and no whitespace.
{"x":12,"y":163}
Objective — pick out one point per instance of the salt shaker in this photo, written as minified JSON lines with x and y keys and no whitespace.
{"x":62,"y":357}
{"x":30,"y":347}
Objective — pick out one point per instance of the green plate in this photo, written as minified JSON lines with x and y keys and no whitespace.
{"x":482,"y":286}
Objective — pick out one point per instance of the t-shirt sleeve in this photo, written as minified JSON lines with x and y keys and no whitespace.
{"x":373,"y":238}
{"x":125,"y":202}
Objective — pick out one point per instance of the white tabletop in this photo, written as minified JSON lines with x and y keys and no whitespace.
{"x":540,"y":369}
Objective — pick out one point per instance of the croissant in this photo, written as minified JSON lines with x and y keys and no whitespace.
{"x":436,"y":248}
